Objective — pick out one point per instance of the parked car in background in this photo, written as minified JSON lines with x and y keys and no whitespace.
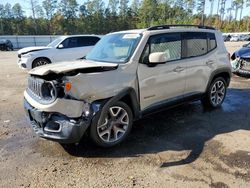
{"x":226,"y":37}
{"x":64,"y":48}
{"x":234,"y":38}
{"x":241,"y":60}
{"x":244,"y":37}
{"x":6,"y":45}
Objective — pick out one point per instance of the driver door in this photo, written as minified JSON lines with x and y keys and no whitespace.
{"x":160,"y":83}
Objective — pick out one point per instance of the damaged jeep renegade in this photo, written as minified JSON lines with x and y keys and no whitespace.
{"x":126,"y":76}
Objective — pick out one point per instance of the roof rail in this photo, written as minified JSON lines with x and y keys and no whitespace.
{"x":159,"y":27}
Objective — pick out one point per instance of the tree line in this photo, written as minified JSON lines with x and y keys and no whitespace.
{"x":99,"y":17}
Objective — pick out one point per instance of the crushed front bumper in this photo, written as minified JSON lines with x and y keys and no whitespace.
{"x":56,"y":126}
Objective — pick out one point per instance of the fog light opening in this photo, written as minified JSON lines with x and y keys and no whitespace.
{"x":53,"y":126}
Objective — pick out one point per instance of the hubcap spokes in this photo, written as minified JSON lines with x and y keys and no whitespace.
{"x":39,"y":63}
{"x":217,"y":93}
{"x":115,"y":125}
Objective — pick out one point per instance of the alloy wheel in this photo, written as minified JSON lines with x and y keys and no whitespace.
{"x":41,"y":62}
{"x":114,"y":126}
{"x":217,"y":93}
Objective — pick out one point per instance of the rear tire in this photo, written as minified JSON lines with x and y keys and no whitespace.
{"x":215,"y":94}
{"x":115,"y":128}
{"x":39,"y":62}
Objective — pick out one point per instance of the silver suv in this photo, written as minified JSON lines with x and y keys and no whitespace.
{"x":126,"y":76}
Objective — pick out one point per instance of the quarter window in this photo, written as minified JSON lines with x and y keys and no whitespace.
{"x":211,"y":41}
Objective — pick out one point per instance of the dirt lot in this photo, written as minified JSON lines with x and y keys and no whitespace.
{"x":183,"y":147}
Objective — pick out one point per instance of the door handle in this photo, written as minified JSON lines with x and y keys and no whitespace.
{"x":178,"y":69}
{"x":209,"y":62}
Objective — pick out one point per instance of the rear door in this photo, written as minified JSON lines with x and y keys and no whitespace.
{"x":161,"y":83}
{"x":200,"y":60}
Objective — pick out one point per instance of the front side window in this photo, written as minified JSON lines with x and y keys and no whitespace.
{"x":115,"y":48}
{"x":70,"y":42}
{"x":169,"y":43}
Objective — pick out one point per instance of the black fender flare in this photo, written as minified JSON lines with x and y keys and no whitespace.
{"x":226,"y":70}
{"x":103,"y":105}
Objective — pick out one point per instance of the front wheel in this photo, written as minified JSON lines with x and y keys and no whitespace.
{"x":114,"y":128}
{"x":39,"y":62}
{"x":216,"y":93}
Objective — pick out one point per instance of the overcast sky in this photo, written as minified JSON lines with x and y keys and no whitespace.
{"x":26,"y":5}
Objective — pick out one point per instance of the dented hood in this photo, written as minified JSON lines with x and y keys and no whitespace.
{"x":64,"y":67}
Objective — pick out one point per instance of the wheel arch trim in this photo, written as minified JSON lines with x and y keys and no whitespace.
{"x":104,"y":104}
{"x":214,"y":74}
{"x":43,"y":57}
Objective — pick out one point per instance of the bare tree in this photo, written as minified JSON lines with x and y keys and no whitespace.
{"x":211,"y":7}
{"x":218,"y":7}
{"x":201,"y":9}
{"x":33,"y":5}
{"x":211,"y":10}
{"x":222,"y":11}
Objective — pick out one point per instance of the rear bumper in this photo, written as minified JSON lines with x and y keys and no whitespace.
{"x":55,"y":126}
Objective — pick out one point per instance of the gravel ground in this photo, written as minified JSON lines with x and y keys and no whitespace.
{"x":187,"y":146}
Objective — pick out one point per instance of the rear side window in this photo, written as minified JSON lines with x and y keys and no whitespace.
{"x":196,"y":43}
{"x":87,"y":41}
{"x":179,"y":45}
{"x":169,"y":43}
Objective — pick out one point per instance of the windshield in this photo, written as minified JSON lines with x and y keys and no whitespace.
{"x":55,"y":42}
{"x":114,"y":48}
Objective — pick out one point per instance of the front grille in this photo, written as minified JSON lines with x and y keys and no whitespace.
{"x":41,"y":90}
{"x":35,"y":85}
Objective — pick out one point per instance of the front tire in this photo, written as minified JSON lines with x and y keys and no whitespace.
{"x":114,"y":128}
{"x":39,"y":62}
{"x":216,"y":93}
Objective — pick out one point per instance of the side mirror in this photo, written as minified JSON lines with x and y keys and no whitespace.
{"x":60,"y":46}
{"x":244,"y":45}
{"x":158,"y":57}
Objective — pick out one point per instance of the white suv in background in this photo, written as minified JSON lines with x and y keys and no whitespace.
{"x":126,"y":76}
{"x":64,"y":48}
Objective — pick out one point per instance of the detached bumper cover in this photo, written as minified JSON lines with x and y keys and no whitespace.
{"x":55,"y":126}
{"x":68,"y":107}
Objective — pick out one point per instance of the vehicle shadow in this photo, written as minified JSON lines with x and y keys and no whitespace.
{"x":186,"y":127}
